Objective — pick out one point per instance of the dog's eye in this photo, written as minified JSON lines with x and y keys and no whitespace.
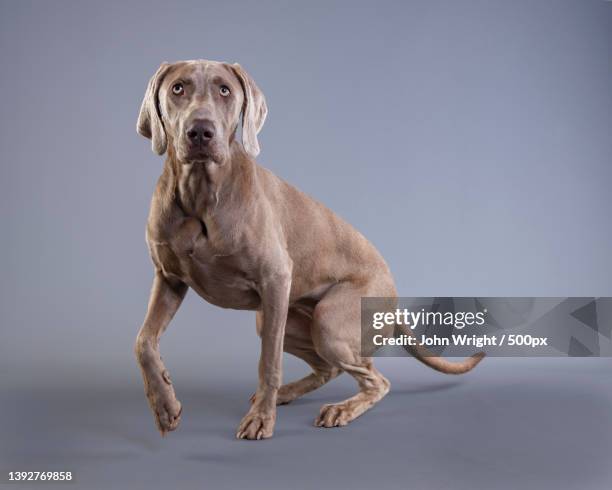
{"x":224,"y":91}
{"x":177,"y":89}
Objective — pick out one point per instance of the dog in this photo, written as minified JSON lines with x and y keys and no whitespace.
{"x":243,"y":238}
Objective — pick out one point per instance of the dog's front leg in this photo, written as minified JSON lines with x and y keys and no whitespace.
{"x":258,"y":423}
{"x":166,"y":297}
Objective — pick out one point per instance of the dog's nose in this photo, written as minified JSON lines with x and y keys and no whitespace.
{"x":201,"y":131}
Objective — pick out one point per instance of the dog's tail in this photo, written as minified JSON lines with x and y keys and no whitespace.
{"x":438,"y":363}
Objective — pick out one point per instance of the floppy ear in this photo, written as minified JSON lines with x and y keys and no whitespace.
{"x":254,"y":111}
{"x":149,"y":120}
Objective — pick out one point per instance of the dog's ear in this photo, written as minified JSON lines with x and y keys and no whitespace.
{"x":150,"y":120}
{"x":254,"y":111}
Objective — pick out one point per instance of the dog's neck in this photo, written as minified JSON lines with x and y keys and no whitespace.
{"x":200,"y":188}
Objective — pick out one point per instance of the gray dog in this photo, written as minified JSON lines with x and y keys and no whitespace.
{"x":244,"y":239}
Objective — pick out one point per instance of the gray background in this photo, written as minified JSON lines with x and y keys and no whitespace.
{"x":469,"y":140}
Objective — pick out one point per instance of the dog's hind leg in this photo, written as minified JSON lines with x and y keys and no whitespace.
{"x":322,"y":374}
{"x":298,"y":342}
{"x":336,"y":331}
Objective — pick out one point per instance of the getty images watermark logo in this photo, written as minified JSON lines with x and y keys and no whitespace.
{"x":422,"y":318}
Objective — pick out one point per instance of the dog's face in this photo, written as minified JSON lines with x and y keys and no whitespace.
{"x":195,"y":106}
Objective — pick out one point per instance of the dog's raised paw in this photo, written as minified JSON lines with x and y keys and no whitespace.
{"x":166,"y":410}
{"x":168,"y":418}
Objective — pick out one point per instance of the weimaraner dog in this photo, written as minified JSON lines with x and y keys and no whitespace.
{"x":242,"y":238}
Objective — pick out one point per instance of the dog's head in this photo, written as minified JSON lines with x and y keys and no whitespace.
{"x":195,"y":107}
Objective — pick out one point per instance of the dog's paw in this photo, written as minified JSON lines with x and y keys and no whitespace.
{"x":168,"y":415}
{"x":166,"y":408}
{"x":334,"y":415}
{"x":256,"y":425}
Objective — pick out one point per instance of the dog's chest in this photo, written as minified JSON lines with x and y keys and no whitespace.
{"x":200,"y":254}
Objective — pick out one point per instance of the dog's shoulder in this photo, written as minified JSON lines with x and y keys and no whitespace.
{"x":163,"y":211}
